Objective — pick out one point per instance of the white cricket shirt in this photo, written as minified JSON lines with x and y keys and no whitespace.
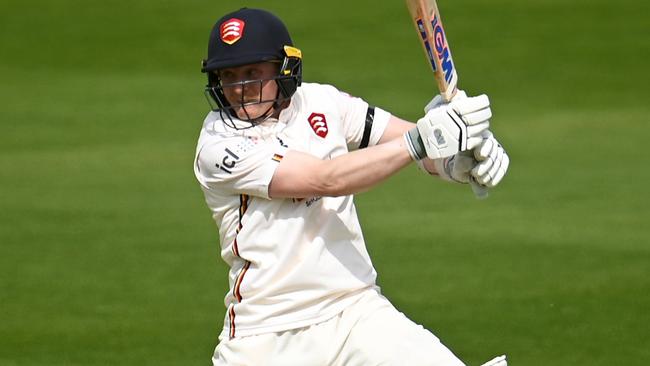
{"x":292,"y":262}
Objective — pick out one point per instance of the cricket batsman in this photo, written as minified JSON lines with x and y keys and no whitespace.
{"x":279,"y":161}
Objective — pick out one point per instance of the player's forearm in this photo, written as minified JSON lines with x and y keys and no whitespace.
{"x":302,"y":175}
{"x":362,"y":169}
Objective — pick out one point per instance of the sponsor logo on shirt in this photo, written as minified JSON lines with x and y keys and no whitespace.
{"x":228,"y":162}
{"x":308,"y":201}
{"x":312,"y":200}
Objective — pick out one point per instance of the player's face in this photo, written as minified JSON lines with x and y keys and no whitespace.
{"x":250,"y":89}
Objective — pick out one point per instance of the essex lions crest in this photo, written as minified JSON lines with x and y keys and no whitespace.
{"x":318,"y":123}
{"x":232,"y":30}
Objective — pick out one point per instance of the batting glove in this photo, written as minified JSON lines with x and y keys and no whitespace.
{"x":437,"y":101}
{"x":450,"y":128}
{"x":456,"y":168}
{"x":498,"y":361}
{"x":487,"y":164}
{"x":493,"y":161}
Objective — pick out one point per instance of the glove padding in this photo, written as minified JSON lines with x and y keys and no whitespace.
{"x":449,"y":128}
{"x":487,"y":163}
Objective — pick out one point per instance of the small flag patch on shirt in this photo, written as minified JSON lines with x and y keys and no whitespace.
{"x":277,"y":157}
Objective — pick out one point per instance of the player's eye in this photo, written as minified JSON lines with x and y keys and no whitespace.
{"x":227,"y":76}
{"x":253,"y":74}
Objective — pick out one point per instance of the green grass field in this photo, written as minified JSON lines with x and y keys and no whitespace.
{"x":108,"y":254}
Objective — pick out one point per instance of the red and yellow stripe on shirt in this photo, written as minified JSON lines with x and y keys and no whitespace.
{"x":243,"y":206}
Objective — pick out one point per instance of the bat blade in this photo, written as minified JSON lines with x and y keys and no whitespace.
{"x":426,"y":18}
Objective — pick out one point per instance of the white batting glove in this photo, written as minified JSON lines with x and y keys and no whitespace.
{"x":498,"y":361}
{"x":456,"y":168}
{"x":487,"y":164}
{"x":449,"y":128}
{"x":437,"y":101}
{"x":493,"y":161}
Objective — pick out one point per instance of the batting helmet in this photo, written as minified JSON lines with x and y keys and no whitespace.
{"x":249,"y":36}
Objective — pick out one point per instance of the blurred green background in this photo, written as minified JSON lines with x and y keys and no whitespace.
{"x":109,"y":256}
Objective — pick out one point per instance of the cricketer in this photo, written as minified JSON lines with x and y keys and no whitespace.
{"x":279,"y":161}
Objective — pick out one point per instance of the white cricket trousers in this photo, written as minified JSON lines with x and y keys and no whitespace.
{"x":370,"y":332}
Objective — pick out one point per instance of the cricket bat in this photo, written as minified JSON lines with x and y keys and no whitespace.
{"x":428,"y":25}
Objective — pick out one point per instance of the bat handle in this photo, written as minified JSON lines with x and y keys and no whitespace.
{"x":481,"y":192}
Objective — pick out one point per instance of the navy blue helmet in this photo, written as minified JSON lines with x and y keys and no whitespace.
{"x":249,"y":36}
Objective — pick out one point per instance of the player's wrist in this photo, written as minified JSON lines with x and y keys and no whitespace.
{"x":415,"y":145}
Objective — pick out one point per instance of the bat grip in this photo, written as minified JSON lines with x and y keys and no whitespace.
{"x":481,"y":192}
